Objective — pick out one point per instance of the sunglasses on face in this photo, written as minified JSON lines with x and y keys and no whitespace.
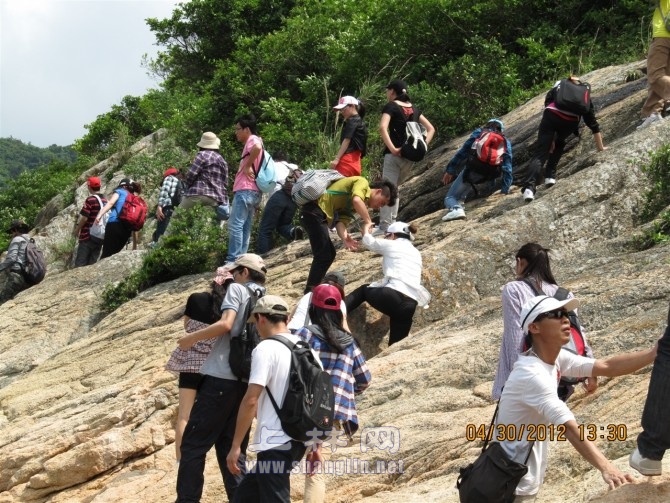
{"x":559,"y":313}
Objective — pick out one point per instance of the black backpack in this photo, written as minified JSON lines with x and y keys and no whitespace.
{"x":309,"y":405}
{"x":35,"y":267}
{"x":243,"y":344}
{"x":573,"y":97}
{"x":178,"y":195}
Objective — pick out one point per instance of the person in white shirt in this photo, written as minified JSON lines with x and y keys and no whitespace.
{"x":276,"y":451}
{"x":399,"y":292}
{"x":530,"y":403}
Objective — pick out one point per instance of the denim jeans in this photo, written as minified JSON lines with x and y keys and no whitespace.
{"x":277,"y":215}
{"x":161,"y":226}
{"x":457,"y":192}
{"x":655,"y":437}
{"x":266,"y":483}
{"x":245,"y":204}
{"x":212,"y":423}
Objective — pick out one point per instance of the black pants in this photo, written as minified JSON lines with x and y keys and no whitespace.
{"x":212,"y":423}
{"x":269,"y":481}
{"x":117,"y":235}
{"x":397,"y":306}
{"x":87,"y":252}
{"x":552,"y":129}
{"x":315,"y":223}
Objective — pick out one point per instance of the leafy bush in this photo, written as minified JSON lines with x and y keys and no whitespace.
{"x":194,"y":244}
{"x":658,"y":172}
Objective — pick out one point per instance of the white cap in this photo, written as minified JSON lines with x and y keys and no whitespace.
{"x":543,"y":304}
{"x":346,"y":101}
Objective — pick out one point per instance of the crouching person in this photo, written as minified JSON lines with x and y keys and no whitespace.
{"x":276,"y":451}
{"x":529,"y":399}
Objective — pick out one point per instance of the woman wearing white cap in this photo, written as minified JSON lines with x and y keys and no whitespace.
{"x":354,"y":137}
{"x":400,"y":291}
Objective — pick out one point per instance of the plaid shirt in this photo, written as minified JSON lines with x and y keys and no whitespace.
{"x":190,"y":360}
{"x":208,"y":176}
{"x":167,"y":191}
{"x":348,"y":372}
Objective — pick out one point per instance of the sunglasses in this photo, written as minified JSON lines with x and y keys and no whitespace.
{"x":559,"y":313}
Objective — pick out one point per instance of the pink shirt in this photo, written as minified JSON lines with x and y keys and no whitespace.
{"x":242,"y":181}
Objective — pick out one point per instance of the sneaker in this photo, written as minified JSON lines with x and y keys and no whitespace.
{"x":650,"y":120}
{"x":297,"y":233}
{"x":455,"y":214}
{"x":528,"y":195}
{"x":549,"y":182}
{"x":644,"y":465}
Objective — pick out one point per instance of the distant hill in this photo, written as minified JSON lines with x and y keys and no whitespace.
{"x":16,"y":157}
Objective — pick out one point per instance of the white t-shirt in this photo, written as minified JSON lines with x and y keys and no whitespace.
{"x":530,"y":398}
{"x":270,"y":366}
{"x":300,"y":317}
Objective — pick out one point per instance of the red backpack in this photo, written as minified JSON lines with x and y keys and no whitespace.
{"x":134,"y":211}
{"x":489,"y":148}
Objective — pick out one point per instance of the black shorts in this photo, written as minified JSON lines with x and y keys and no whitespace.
{"x":190,"y":380}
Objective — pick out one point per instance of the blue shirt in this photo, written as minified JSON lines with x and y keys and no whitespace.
{"x":116,"y":209}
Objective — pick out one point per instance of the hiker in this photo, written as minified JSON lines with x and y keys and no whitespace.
{"x":117,"y":233}
{"x":336,"y":207}
{"x":392,"y":127}
{"x":555,"y":127}
{"x":487,"y":154}
{"x":655,"y":437}
{"x":212,"y":419}
{"x":280,"y":209}
{"x":533,"y":274}
{"x":12,"y":279}
{"x":299,"y":317}
{"x":202,"y":309}
{"x":657,"y":104}
{"x":341,"y":357}
{"x":247,"y":197}
{"x":399,"y":292}
{"x":353,"y":139}
{"x":276,"y":451}
{"x":169,"y":198}
{"x":88,"y":250}
{"x":529,"y":400}
{"x":207,"y":178}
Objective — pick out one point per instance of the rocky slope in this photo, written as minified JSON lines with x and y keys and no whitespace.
{"x":86,"y":409}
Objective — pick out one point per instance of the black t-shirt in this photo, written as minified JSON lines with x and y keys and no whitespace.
{"x":199,"y":308}
{"x":399,"y":117}
{"x":355,"y":129}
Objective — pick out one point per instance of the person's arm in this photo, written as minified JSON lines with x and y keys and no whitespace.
{"x":12,"y":254}
{"x":598,"y":138}
{"x":349,"y":242}
{"x":430,"y":129}
{"x":511,"y":339}
{"x":80,"y":225}
{"x":343,"y":149}
{"x":248,"y":162}
{"x":195,"y":169}
{"x":110,"y":204}
{"x":221,"y":327}
{"x":588,"y":450}
{"x":245,"y":416}
{"x":625,"y":363}
{"x":384,"y":132}
{"x":450,"y":171}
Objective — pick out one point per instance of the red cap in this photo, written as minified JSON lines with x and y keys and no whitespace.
{"x":170,"y":171}
{"x":326,"y":297}
{"x":94,"y":182}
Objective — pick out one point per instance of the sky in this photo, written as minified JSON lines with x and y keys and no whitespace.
{"x":64,"y":62}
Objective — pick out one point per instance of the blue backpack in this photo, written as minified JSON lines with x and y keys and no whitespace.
{"x":265,"y":176}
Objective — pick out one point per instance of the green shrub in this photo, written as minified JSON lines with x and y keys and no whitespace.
{"x":194,"y":244}
{"x":658,"y":172}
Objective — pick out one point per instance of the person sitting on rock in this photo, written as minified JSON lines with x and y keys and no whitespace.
{"x":12,"y":280}
{"x":529,"y":400}
{"x":488,"y":143}
{"x":399,"y":292}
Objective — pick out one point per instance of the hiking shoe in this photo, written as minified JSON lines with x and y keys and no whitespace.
{"x":297,"y":233}
{"x":644,"y":465}
{"x":528,"y":195}
{"x":455,"y":214}
{"x":654,"y":117}
{"x":549,"y":182}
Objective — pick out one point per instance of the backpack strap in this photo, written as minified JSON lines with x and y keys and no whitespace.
{"x":290,"y":345}
{"x":490,"y":434}
{"x":534,"y":287}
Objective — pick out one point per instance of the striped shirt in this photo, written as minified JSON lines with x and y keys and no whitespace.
{"x":208,"y":176}
{"x":90,"y":211}
{"x":348,"y":371}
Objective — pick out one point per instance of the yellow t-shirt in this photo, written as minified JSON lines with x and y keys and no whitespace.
{"x":339,"y":196}
{"x":657,"y":21}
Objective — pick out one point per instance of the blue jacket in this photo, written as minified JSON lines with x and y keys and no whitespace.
{"x":463,"y":152}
